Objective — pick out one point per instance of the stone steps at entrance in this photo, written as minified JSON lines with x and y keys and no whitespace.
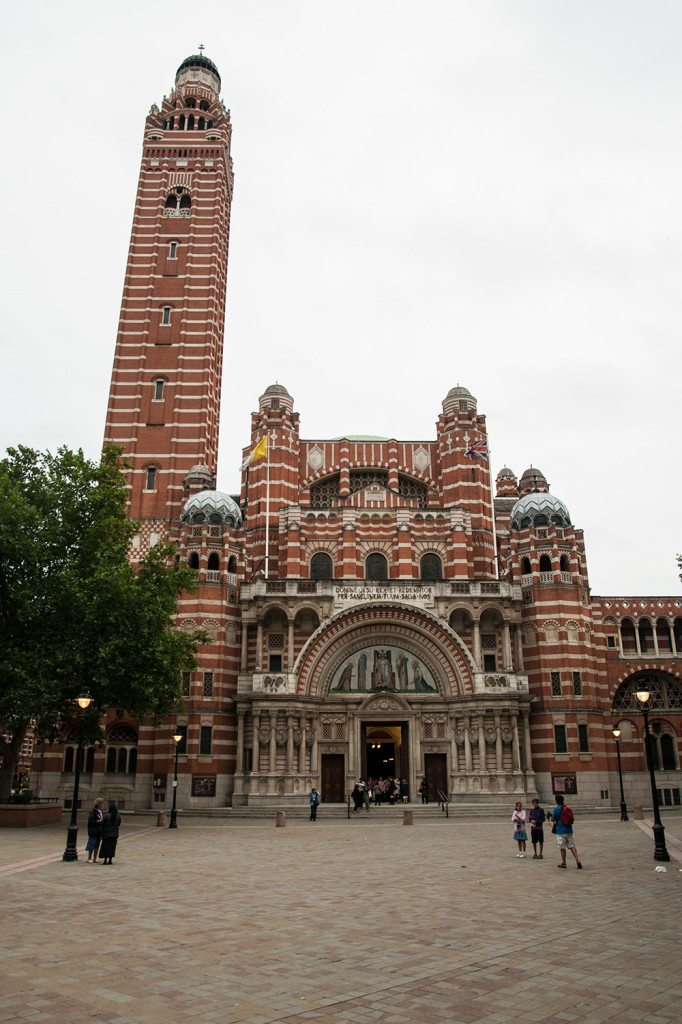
{"x":422,"y":812}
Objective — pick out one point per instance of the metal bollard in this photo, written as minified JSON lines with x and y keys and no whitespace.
{"x":281,"y":819}
{"x":160,"y":819}
{"x":408,"y":816}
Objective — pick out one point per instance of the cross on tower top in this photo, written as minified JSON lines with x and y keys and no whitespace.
{"x":201,"y":49}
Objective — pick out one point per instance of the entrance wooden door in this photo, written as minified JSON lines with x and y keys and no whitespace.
{"x":333,"y":771}
{"x":436,"y":771}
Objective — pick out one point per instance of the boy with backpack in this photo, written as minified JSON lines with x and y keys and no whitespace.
{"x":562,"y":816}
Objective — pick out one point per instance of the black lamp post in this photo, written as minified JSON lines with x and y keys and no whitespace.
{"x":623,"y":805}
{"x":84,"y":700}
{"x":660,"y":849}
{"x":177,"y":737}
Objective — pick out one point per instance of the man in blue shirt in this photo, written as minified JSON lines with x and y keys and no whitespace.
{"x":536,"y":816}
{"x":564,"y":833}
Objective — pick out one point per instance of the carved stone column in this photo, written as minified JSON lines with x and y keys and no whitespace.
{"x":290,"y":646}
{"x":255,"y":752}
{"x":302,"y":748}
{"x":259,"y":647}
{"x":272,"y":767}
{"x":477,"y":645}
{"x":518,"y":636}
{"x":516,"y":753}
{"x":245,"y":647}
{"x":290,"y":744}
{"x":314,"y":759}
{"x":506,"y":648}
{"x":498,"y":743}
{"x":482,"y":762}
{"x":526,"y":741}
{"x":468,"y":757}
{"x":240,"y":741}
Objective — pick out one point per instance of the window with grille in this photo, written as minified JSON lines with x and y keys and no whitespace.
{"x":359,"y":479}
{"x":376,"y":567}
{"x":186,"y":679}
{"x":413,"y":490}
{"x":205,"y":739}
{"x":556,"y":684}
{"x":666,"y":693}
{"x":326,"y":730}
{"x":208,"y":684}
{"x":489,"y":641}
{"x":321,"y":566}
{"x":431,"y":569}
{"x":583,"y":739}
{"x":577,"y":684}
{"x":325,"y":492}
{"x":276,"y":641}
{"x":560,"y":740}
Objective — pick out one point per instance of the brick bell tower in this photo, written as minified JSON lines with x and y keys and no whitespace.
{"x":164,"y":400}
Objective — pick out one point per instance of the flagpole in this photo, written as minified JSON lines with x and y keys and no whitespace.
{"x":267,"y":511}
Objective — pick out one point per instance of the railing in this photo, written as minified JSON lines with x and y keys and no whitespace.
{"x":360,"y":590}
{"x":212,"y":576}
{"x":566,"y":577}
{"x":546,"y":577}
{"x":231,"y":579}
{"x":443,"y":802}
{"x":527,"y":580}
{"x":177,"y":213}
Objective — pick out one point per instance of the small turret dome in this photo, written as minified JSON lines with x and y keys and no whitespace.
{"x":506,"y":474}
{"x":197,"y":60}
{"x":276,"y":396}
{"x":276,"y":389}
{"x":532,"y":479}
{"x":459,"y":399}
{"x":212,"y":507}
{"x":539,"y":509}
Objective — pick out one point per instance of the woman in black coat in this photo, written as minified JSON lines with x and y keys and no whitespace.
{"x":110,"y":826}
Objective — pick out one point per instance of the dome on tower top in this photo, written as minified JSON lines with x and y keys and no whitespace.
{"x":506,"y":474}
{"x":197,"y":60}
{"x":277,"y":398}
{"x":459,"y":399}
{"x":539,"y":509}
{"x":533,"y":479}
{"x":212,"y":507}
{"x":276,"y":389}
{"x":459,"y":392}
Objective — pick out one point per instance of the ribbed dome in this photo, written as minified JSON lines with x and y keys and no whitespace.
{"x":276,"y":389}
{"x":539,"y":509}
{"x":506,"y":474}
{"x":459,"y":392}
{"x":533,"y":479}
{"x":197,"y":60}
{"x":212,"y":506}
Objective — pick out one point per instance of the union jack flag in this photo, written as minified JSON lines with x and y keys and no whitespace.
{"x":477,"y":449}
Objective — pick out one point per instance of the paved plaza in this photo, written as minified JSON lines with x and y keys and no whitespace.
{"x":339,"y":922}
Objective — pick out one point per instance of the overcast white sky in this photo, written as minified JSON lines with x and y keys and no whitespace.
{"x":485,"y":193}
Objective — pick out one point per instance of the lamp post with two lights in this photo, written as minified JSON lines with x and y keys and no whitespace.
{"x":660,"y":849}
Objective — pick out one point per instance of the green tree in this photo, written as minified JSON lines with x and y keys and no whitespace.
{"x":74,"y":613}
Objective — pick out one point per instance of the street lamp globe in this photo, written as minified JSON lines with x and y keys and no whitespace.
{"x":616,"y":734}
{"x":84,"y":700}
{"x":643,"y":696}
{"x":177,"y":736}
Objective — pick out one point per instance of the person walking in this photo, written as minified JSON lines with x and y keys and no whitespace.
{"x":314,"y":803}
{"x":424,"y":790}
{"x":404,"y":791}
{"x":536,"y":816}
{"x":520,"y":834}
{"x":110,"y":826}
{"x":94,"y":830}
{"x":562,"y":816}
{"x":358,"y":798}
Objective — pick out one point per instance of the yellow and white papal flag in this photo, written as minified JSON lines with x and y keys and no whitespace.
{"x":259,"y":451}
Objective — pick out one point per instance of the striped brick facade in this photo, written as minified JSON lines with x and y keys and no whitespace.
{"x":357,"y":587}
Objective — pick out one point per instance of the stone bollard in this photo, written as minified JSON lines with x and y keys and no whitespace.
{"x":281,"y":819}
{"x":160,"y":819}
{"x":638,"y":812}
{"x":408,"y":816}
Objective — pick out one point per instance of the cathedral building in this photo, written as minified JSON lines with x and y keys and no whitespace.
{"x":378,"y":607}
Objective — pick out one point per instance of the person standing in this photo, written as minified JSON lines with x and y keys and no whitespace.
{"x":562,"y":816}
{"x":520,"y":834}
{"x":110,"y":826}
{"x":536,"y":816}
{"x":357,"y":797}
{"x":314,"y":803}
{"x":404,"y":791}
{"x":424,"y":789}
{"x":94,"y":830}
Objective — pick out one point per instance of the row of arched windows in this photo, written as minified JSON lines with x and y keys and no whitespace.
{"x":545,"y":564}
{"x":190,"y":102}
{"x":187,"y":123}
{"x":121,"y":753}
{"x":213,"y":564}
{"x":376,"y":567}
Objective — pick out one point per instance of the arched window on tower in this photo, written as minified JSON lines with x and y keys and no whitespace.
{"x":202,"y":124}
{"x":171,"y":202}
{"x":165,"y":315}
{"x":193,"y":560}
{"x":190,"y":123}
{"x":181,"y":122}
{"x":158,"y":389}
{"x":150,"y":478}
{"x":545,"y":563}
{"x":431,"y":568}
{"x":376,"y":567}
{"x":564,"y":564}
{"x":190,"y":102}
{"x":185,"y":202}
{"x":213,"y":562}
{"x":321,"y":566}
{"x":232,"y":564}
{"x":526,"y":567}
{"x":122,"y":750}
{"x":203,"y":105}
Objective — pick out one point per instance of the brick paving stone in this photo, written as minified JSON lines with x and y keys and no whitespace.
{"x":242,"y":924}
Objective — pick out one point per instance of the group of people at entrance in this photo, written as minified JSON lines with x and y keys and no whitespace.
{"x":102,"y":832}
{"x":379,"y":791}
{"x":561,"y":817}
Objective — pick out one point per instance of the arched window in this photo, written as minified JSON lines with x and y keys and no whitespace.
{"x":190,"y":123}
{"x":193,"y":560}
{"x":541,"y":520}
{"x":165,"y":315}
{"x":564,"y":564}
{"x":172,"y":250}
{"x":185,"y":202}
{"x":171,"y":123}
{"x":203,"y":105}
{"x":321,"y":566}
{"x":69,"y":758}
{"x":545,"y":563}
{"x":213,"y":562}
{"x":525,"y":522}
{"x":232,"y":564}
{"x":122,"y":750}
{"x":190,"y":102}
{"x":526,"y":567}
{"x":376,"y":567}
{"x":158,"y":389}
{"x":150,"y":479}
{"x":171,"y":202}
{"x":431,"y":568}
{"x":202,"y":123}
{"x":181,"y":122}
